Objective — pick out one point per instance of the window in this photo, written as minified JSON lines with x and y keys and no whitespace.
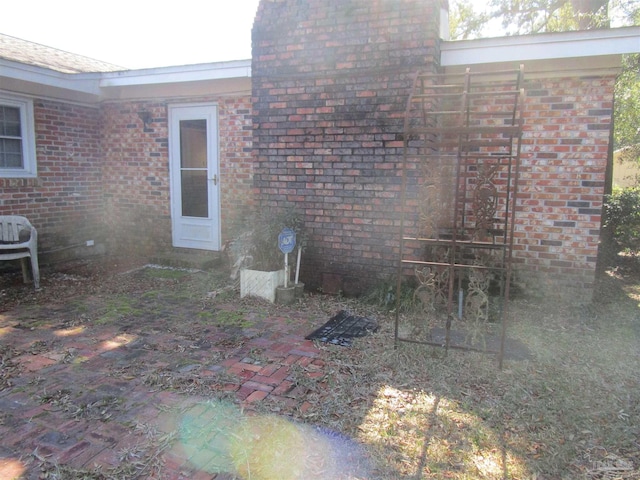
{"x":17,"y":145}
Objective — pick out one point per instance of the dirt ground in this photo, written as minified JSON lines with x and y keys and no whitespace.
{"x":69,"y":279}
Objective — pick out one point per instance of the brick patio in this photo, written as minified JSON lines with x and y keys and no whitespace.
{"x":81,"y":392}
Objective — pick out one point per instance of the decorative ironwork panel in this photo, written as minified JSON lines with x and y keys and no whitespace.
{"x":462,"y":146}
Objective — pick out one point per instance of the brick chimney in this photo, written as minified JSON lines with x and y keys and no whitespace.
{"x":330,"y":84}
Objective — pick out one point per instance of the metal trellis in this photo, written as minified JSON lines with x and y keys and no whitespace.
{"x":461,"y":163}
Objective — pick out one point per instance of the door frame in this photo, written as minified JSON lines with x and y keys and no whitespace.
{"x":195,"y":232}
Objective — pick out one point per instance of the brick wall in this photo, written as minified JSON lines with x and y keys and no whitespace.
{"x":236,"y":162}
{"x":65,"y":201}
{"x":564,"y":158}
{"x":136,"y":171}
{"x":136,"y":174}
{"x":330,"y":82}
{"x":104,"y":176}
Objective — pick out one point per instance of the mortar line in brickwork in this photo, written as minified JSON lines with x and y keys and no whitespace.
{"x":401,"y":69}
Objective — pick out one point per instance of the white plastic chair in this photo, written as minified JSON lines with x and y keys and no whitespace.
{"x":19,"y":240}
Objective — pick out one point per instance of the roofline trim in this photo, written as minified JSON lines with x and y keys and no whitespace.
{"x":521,"y":49}
{"x":179,"y":74}
{"x":546,"y":46}
{"x":80,"y":82}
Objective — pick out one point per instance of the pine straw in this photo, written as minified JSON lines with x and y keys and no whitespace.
{"x":144,"y":460}
{"x":192,"y":383}
{"x":572,"y":411}
{"x":8,"y":368}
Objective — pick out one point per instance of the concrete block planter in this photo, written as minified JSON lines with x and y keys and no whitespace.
{"x":259,"y":283}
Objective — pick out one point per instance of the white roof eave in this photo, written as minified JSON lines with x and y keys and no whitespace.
{"x":94,"y":87}
{"x":180,"y":74}
{"x":548,"y":46}
{"x":86,"y":83}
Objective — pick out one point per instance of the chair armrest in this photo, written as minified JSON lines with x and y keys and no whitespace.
{"x":15,"y":246}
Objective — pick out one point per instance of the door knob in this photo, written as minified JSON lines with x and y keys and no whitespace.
{"x":215,"y":179}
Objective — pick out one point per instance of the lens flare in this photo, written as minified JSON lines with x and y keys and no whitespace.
{"x":11,"y":468}
{"x":206,"y":431}
{"x":218,"y":438}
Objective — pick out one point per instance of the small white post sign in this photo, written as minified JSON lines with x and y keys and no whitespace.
{"x":286,"y":243}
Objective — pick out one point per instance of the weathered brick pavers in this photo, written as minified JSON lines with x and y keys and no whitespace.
{"x":96,"y":396}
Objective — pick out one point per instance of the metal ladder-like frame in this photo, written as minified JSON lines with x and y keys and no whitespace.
{"x":461,"y":124}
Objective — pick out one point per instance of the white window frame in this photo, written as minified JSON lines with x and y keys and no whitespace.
{"x":29,"y":167}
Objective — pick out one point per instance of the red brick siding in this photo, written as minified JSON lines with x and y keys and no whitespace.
{"x":103,"y":176}
{"x":136,"y":177}
{"x":136,"y":170}
{"x":236,"y":161}
{"x":330,"y":82}
{"x":65,"y":201}
{"x":565,"y":148}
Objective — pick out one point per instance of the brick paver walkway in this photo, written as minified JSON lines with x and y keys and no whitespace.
{"x":84,"y":390}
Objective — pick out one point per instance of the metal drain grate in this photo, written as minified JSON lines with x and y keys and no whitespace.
{"x":342,"y":328}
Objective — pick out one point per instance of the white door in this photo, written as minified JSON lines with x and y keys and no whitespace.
{"x":193,"y":159}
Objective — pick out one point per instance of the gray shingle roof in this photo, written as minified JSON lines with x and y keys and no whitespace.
{"x":23,"y":51}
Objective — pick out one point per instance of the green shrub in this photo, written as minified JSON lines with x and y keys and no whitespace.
{"x":622,"y":216}
{"x":384,"y":295}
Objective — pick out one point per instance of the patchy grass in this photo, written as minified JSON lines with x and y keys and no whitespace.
{"x":117,"y":308}
{"x":166,"y":273}
{"x":225,"y":318}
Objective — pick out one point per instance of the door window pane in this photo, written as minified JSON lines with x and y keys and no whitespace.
{"x":193,"y":143}
{"x":194,"y":194}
